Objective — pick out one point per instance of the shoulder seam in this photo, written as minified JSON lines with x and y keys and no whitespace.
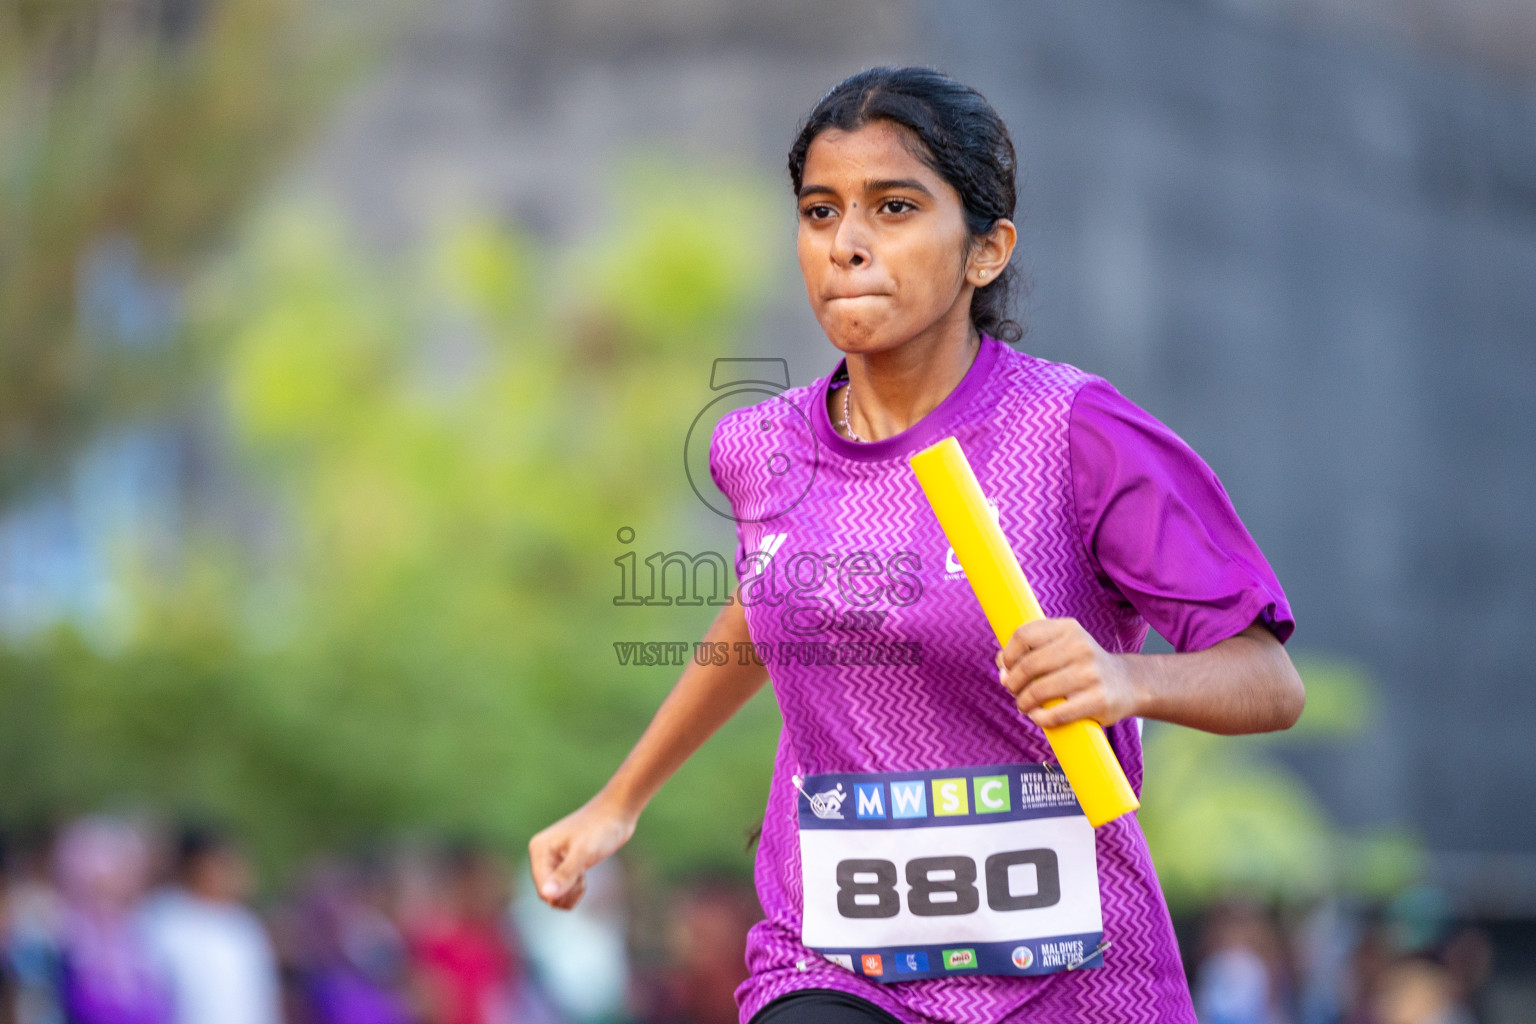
{"x":1083,"y":551}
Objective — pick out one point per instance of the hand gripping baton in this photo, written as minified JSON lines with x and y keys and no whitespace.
{"x":942,"y":471}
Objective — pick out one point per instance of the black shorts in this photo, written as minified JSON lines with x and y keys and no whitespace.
{"x":821,"y":1006}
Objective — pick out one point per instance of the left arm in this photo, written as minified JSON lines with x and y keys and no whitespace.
{"x":1243,"y":684}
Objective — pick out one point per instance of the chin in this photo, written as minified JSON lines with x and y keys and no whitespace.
{"x":857,"y":336}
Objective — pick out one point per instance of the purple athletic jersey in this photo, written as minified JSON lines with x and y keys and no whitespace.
{"x":882,"y":660}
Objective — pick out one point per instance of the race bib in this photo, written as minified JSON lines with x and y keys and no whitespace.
{"x":935,"y":874}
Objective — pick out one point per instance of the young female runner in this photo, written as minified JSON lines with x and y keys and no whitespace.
{"x":905,"y":185}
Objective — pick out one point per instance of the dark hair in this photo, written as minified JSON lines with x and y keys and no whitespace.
{"x":198,"y":840}
{"x":962,"y":138}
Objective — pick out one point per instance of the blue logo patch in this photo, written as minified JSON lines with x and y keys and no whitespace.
{"x":909,"y":800}
{"x":911,"y":963}
{"x":870,"y":799}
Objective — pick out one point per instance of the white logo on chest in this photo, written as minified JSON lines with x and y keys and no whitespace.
{"x":953,"y":570}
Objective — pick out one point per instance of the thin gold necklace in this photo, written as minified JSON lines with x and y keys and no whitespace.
{"x":848,"y":424}
{"x":848,"y":389}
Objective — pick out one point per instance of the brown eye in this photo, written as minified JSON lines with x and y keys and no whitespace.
{"x":820,"y":211}
{"x":898,"y":206}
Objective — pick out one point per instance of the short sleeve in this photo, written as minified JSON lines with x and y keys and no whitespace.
{"x":724,"y":470}
{"x":1159,"y":527}
{"x":717,"y":471}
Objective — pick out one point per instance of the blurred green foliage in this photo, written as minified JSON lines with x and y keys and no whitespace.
{"x":405,"y":620}
{"x":1223,"y":816}
{"x":143,"y":120}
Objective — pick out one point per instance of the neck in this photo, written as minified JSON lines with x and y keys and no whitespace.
{"x":895,"y":388}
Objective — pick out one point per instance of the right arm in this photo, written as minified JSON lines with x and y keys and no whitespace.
{"x":703,"y":699}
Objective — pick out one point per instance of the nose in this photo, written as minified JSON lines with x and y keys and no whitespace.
{"x":850,"y":243}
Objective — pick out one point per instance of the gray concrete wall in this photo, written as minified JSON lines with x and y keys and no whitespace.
{"x":1317,"y":261}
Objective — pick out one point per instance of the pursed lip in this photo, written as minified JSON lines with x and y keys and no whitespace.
{"x":855,"y":295}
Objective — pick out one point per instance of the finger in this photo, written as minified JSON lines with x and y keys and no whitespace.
{"x":544,"y":856}
{"x":1081,"y":705}
{"x":1060,"y":653}
{"x":1037,"y":634}
{"x":1062,"y":683}
{"x":562,"y":869}
{"x":572,"y":895}
{"x":1029,"y":636}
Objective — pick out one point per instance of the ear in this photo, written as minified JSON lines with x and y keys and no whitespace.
{"x":990,"y":254}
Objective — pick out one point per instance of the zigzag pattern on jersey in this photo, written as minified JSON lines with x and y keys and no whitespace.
{"x":740,"y":460}
{"x":742,"y":450}
{"x":894,"y":719}
{"x":1137,"y":919}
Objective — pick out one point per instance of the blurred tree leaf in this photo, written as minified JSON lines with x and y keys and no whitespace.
{"x":1221,"y":817}
{"x":1338,"y":698}
{"x":121,"y":124}
{"x":1218,"y":820}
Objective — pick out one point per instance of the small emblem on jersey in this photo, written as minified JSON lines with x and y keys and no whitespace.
{"x":951,"y":563}
{"x":1023,"y":957}
{"x":959,"y":959}
{"x":828,"y":804}
{"x":873,"y":965}
{"x":770,"y":545}
{"x":911,"y":963}
{"x":843,"y":960}
{"x":952,"y":567}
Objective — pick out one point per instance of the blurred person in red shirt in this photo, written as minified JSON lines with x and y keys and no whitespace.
{"x":466,"y":964}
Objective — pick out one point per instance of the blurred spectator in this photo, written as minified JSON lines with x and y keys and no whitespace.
{"x":466,"y":964}
{"x":1423,"y":973}
{"x":580,"y":956}
{"x":353,"y":959}
{"x":1468,"y":956}
{"x":1323,"y":944}
{"x":7,"y":987}
{"x":110,"y":974}
{"x":1373,"y":956}
{"x":32,"y":938}
{"x":1418,"y":991}
{"x":437,"y":940}
{"x":219,"y":957}
{"x":1240,"y":979}
{"x":706,"y":947}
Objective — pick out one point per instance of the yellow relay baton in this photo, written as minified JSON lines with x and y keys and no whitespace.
{"x":945,"y":475}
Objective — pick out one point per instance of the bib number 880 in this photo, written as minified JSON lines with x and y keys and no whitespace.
{"x":944,"y":886}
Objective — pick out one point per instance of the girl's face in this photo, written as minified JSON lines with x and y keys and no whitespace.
{"x":883,"y":242}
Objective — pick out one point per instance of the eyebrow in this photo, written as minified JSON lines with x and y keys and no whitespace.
{"x":873,"y":185}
